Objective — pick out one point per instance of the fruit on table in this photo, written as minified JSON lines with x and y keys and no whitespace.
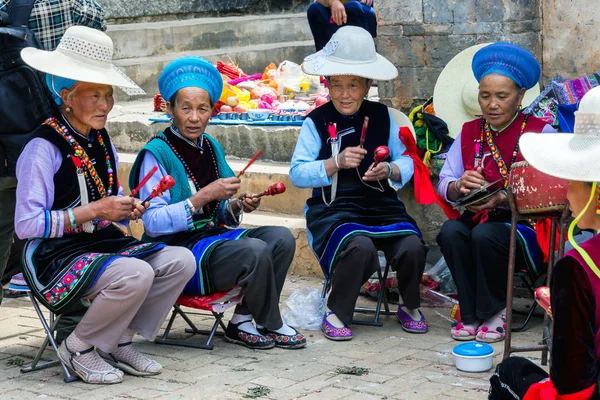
{"x":226,"y":108}
{"x":240,"y":109}
{"x":232,"y":101}
{"x":320,"y":100}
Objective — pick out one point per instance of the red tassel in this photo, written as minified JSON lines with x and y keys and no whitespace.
{"x":542,"y":232}
{"x":424,"y":192}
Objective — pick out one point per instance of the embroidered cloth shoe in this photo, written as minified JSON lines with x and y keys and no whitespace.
{"x":233,"y":334}
{"x":409,"y":324}
{"x":333,"y":333}
{"x":295,"y":341}
{"x":128,"y":359}
{"x":462,"y":333}
{"x":89,"y":366}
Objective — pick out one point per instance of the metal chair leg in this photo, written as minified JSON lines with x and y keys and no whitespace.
{"x":510,"y":280}
{"x":49,"y":330}
{"x":192,"y":329}
{"x":381,"y":299}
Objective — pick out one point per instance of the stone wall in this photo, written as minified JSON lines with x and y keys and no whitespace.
{"x":125,"y":11}
{"x":421,"y":36}
{"x":571,"y":38}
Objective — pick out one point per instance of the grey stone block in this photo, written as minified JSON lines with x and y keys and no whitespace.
{"x":427,"y":29}
{"x":154,"y":38}
{"x":438,"y":11}
{"x":474,"y":28}
{"x":118,"y":9}
{"x":399,"y":12}
{"x":480,"y":11}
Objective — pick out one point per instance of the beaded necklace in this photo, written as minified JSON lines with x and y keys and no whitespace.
{"x":487,"y":135}
{"x":188,"y":172}
{"x":89,"y":171}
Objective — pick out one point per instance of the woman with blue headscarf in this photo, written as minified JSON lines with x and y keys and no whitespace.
{"x":69,"y":203}
{"x":475,"y":246}
{"x":198,"y":211}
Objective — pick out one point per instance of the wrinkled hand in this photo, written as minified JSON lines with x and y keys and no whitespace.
{"x":380,"y":172}
{"x":116,"y":208}
{"x":338,"y":12}
{"x":249,"y":202}
{"x":471,"y":180}
{"x":496,"y":200}
{"x":221,"y":189}
{"x":138,"y":209}
{"x":351,"y":157}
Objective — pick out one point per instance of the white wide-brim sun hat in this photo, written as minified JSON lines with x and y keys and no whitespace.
{"x":83,"y":54}
{"x":456,"y":91}
{"x":573,"y":156}
{"x":350,"y":51}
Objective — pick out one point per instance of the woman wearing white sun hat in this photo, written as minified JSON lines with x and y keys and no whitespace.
{"x":575,"y":286}
{"x":68,"y":201}
{"x":354,"y":209}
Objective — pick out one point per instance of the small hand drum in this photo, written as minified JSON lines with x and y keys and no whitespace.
{"x":536,"y":192}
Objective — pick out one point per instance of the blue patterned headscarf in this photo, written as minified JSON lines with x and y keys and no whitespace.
{"x":56,"y":84}
{"x":508,"y":60}
{"x":190,"y":72}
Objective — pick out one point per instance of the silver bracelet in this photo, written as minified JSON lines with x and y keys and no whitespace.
{"x":391,"y":170}
{"x":335,"y":161}
{"x":456,"y":187}
{"x":191,"y":206}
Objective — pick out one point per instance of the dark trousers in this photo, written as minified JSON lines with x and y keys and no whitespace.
{"x":8,"y":189}
{"x":513,"y":377}
{"x":477,"y":256}
{"x":322,"y":29}
{"x":258,"y":263}
{"x":358,"y":261}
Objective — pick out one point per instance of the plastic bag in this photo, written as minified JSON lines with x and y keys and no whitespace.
{"x":304,"y":309}
{"x":291,"y":79}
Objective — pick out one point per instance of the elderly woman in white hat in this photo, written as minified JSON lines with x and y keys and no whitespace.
{"x":68,"y":202}
{"x":575,"y":286}
{"x":475,"y":246}
{"x":354,"y":209}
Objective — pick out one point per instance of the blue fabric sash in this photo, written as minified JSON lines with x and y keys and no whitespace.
{"x":345,"y":232}
{"x":534,"y":256}
{"x":199,"y":284}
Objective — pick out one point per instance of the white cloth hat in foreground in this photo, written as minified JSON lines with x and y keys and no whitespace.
{"x":350,"y":51}
{"x":83,"y":54}
{"x":573,"y":156}
{"x":456,"y":91}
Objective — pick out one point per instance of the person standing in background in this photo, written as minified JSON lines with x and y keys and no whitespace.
{"x":325,"y":17}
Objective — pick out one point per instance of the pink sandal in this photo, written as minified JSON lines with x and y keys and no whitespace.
{"x":486,"y":334}
{"x":462,"y":333}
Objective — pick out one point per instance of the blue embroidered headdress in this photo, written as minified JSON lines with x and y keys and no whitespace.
{"x":508,"y":60}
{"x":190,"y":72}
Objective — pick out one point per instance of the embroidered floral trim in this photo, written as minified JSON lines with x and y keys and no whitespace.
{"x":287,"y":339}
{"x":253,"y":339}
{"x":73,"y":274}
{"x":332,"y":331}
{"x":71,"y":277}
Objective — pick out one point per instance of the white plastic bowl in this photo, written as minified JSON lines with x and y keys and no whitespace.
{"x":259,"y":114}
{"x":473,"y":357}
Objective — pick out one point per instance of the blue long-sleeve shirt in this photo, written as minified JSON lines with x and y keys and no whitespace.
{"x":308,"y":172}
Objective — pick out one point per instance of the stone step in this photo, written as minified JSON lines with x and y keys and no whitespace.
{"x":251,"y":58}
{"x":256,"y":179}
{"x":130,"y":129}
{"x":163,"y":37}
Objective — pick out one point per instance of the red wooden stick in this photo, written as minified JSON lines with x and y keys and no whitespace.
{"x":363,"y":134}
{"x":143,"y":181}
{"x":166,"y":183}
{"x":276,"y":188}
{"x":254,"y":158}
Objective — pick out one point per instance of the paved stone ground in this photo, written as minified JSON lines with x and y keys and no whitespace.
{"x":401,"y":365}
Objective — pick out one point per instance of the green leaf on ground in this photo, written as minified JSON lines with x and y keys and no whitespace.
{"x":358,"y":371}
{"x":256,"y":392}
{"x":15,"y":362}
